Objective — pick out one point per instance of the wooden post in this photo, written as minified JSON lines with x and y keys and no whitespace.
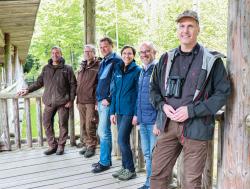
{"x":72,"y":126}
{"x":89,"y":21}
{"x":16,"y":122}
{"x":236,"y":144}
{"x":7,"y":59}
{"x":140,"y":158}
{"x":39,"y":121}
{"x":6,"y":124}
{"x":28,"y":122}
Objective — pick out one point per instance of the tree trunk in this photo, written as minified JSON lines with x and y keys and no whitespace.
{"x":235,"y":172}
{"x":89,"y":21}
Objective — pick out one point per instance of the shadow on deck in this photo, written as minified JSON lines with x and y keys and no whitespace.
{"x":30,"y":168}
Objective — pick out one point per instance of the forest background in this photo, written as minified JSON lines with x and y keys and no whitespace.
{"x":61,"y":23}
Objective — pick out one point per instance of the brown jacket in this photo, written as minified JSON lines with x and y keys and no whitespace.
{"x":87,"y":82}
{"x":59,"y":84}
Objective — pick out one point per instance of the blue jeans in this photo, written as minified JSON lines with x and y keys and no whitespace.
{"x":104,"y":132}
{"x":124,"y":124}
{"x":148,"y":140}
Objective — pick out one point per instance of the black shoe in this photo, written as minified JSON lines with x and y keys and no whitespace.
{"x":96,"y":164}
{"x":80,"y":145}
{"x":89,"y":153}
{"x":50,"y":151}
{"x":60,"y":151}
{"x":100,"y":168}
{"x":82,"y":152}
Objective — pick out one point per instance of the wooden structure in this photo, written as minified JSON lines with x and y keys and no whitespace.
{"x":30,"y":168}
{"x":233,"y":154}
{"x":89,"y":21}
{"x":235,"y":169}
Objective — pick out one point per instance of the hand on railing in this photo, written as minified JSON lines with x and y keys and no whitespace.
{"x":134,"y":120}
{"x":68,"y":104}
{"x":113,"y":119}
{"x":156,"y":131}
{"x":23,"y":92}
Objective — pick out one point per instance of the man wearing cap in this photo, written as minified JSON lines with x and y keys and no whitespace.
{"x":188,"y":86}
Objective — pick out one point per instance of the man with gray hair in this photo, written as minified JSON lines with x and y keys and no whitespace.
{"x":86,"y":87}
{"x":59,"y":84}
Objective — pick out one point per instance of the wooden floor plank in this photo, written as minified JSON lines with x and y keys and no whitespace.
{"x":28,"y":169}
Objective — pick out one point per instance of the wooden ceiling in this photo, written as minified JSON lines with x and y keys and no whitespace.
{"x":17,"y":17}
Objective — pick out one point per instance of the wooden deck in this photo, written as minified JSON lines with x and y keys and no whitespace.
{"x":28,"y":169}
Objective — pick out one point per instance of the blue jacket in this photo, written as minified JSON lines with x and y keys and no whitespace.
{"x":104,"y":76}
{"x":125,"y":88}
{"x":146,"y":113}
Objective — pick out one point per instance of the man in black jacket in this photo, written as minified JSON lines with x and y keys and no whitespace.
{"x":59,"y":84}
{"x":189,"y":85}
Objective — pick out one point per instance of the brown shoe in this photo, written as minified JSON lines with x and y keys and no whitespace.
{"x":60,"y":151}
{"x":50,"y":151}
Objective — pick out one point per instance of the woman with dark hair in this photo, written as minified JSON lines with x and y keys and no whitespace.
{"x":123,"y":108}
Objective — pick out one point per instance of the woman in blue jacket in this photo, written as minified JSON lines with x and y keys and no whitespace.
{"x":123,"y":108}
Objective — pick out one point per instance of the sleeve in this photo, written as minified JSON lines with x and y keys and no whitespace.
{"x":113,"y":95}
{"x":156,"y":98}
{"x":38,"y":84}
{"x":220,"y":91}
{"x":137,"y":89}
{"x":72,"y":84}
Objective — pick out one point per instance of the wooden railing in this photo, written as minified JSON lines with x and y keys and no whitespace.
{"x":8,"y":98}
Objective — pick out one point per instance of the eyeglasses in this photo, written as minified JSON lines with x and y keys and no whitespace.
{"x":144,"y":52}
{"x":88,"y":51}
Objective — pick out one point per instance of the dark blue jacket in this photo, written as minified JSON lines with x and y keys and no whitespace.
{"x":125,"y":88}
{"x":104,"y":76}
{"x":146,"y":113}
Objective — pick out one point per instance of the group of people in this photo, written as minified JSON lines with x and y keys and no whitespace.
{"x":173,"y":101}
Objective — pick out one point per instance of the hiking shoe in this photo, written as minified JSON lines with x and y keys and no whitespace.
{"x":50,"y":151}
{"x":118,"y":173}
{"x":83,"y":150}
{"x":60,"y":151}
{"x":80,"y":145}
{"x":89,"y":153}
{"x":100,"y":168}
{"x":126,"y":175}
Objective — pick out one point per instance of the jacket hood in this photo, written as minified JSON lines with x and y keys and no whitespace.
{"x":60,"y":65}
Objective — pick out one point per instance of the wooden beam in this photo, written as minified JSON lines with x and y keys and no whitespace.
{"x":7,"y":59}
{"x":235,"y":172}
{"x":89,"y":21}
{"x":1,"y":39}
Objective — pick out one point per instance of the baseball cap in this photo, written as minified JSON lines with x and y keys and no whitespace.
{"x":188,"y":14}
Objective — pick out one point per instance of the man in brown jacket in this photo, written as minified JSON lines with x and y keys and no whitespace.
{"x":59,"y":84}
{"x":86,"y":87}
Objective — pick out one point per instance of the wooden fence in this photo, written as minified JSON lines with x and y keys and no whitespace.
{"x":207,"y":180}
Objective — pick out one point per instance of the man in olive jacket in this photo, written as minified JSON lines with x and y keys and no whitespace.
{"x":59,"y":84}
{"x":188,"y":86}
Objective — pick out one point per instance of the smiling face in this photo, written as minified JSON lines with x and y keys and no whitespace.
{"x":89,"y":55}
{"x":147,"y":54}
{"x":56,"y":55}
{"x":105,"y":48}
{"x":187,"y":31}
{"x":128,"y":56}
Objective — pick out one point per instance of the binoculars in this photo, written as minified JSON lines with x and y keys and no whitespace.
{"x":174,"y":86}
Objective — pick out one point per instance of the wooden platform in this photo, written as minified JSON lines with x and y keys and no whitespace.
{"x":28,"y":169}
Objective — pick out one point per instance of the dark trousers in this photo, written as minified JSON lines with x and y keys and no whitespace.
{"x":87,"y":126}
{"x":167,"y":149}
{"x":125,"y":126}
{"x":48,"y":124}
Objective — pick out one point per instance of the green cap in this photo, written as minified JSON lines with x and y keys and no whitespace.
{"x":188,"y":14}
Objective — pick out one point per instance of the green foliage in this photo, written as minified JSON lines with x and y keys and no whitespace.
{"x":60,"y":22}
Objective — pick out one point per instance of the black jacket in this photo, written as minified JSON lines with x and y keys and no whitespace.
{"x":211,"y":94}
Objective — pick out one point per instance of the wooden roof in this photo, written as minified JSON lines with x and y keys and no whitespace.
{"x":17,"y":17}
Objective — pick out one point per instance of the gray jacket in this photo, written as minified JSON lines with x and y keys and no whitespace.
{"x":211,"y":94}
